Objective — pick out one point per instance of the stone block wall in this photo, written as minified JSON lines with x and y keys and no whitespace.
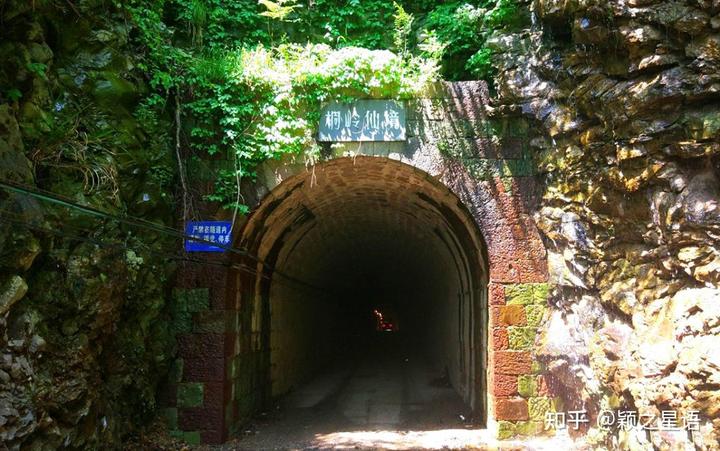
{"x":521,"y":395}
{"x":498,"y":176}
{"x":194,"y":395}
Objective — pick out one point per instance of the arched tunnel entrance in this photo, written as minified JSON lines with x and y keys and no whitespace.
{"x":373,"y":284}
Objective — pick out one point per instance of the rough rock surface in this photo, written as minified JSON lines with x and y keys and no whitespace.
{"x":625,"y":98}
{"x":81,"y":347}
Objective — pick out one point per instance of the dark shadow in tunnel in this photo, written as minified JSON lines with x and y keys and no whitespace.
{"x":369,"y":238}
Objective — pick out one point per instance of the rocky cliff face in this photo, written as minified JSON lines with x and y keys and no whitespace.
{"x":81,"y":343}
{"x":625,"y":99}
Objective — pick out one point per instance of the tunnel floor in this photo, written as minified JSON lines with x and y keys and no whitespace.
{"x":389,"y":386}
{"x":386,"y":398}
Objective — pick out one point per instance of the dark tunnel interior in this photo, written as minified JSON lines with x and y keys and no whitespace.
{"x":374,"y":260}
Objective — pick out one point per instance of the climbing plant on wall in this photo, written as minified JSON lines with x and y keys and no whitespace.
{"x":267,"y":103}
{"x":249,"y":75}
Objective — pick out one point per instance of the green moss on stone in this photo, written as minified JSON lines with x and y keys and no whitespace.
{"x":535,"y":314}
{"x":446,"y":130}
{"x":540,"y":293}
{"x":518,"y":128}
{"x":113,"y":90}
{"x":190,"y":394}
{"x":492,"y":128}
{"x":191,"y":438}
{"x":211,"y":321}
{"x":437,"y":90}
{"x":522,"y":338}
{"x":12,"y":291}
{"x":175,"y":372}
{"x":506,"y":430}
{"x":507,"y":184}
{"x":182,"y":322}
{"x":527,"y":293}
{"x":527,"y":386}
{"x":482,"y":169}
{"x":459,"y":147}
{"x":519,"y":294}
{"x":537,"y":367}
{"x":197,"y":299}
{"x":516,"y":168}
{"x":207,"y":170}
{"x":538,"y":407}
{"x":507,"y":127}
{"x":170,"y":416}
{"x":703,"y":126}
{"x":529,"y":428}
{"x":444,"y":147}
{"x":179,"y":303}
{"x":176,"y":434}
{"x":614,"y":401}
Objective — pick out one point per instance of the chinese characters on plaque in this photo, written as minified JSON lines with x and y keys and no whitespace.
{"x":363,"y":120}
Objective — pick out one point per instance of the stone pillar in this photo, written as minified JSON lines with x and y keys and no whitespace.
{"x":520,"y":398}
{"x":196,"y":395}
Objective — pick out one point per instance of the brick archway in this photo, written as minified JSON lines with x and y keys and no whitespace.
{"x":477,"y":165}
{"x":378,"y":213}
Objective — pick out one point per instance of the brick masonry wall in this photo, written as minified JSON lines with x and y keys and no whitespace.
{"x":456,"y":137}
{"x":194,"y":395}
{"x":496,"y":180}
{"x":521,"y":396}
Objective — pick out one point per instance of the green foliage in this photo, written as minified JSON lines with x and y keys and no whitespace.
{"x":171,"y":28}
{"x":38,"y":69}
{"x":366,"y":23}
{"x":463,"y":28}
{"x":458,"y":25}
{"x":257,"y":104}
{"x":245,"y":80}
{"x":279,"y":10}
{"x":214,"y":24}
{"x":403,"y":28}
{"x":431,"y":46}
{"x":251,"y":74}
{"x":155,"y":159}
{"x":198,"y":20}
{"x":505,"y":13}
{"x":13,"y":94}
{"x":480,"y":64}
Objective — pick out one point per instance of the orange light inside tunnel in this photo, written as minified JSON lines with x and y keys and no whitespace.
{"x":382,"y":324}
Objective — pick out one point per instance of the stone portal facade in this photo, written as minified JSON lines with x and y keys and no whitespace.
{"x":454,"y":140}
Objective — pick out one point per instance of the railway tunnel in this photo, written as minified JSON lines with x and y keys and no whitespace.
{"x":371,"y":268}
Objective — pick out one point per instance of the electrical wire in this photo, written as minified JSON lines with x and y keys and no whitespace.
{"x":129,"y":220}
{"x":54,"y":198}
{"x":284,"y":279}
{"x":117,"y":245}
